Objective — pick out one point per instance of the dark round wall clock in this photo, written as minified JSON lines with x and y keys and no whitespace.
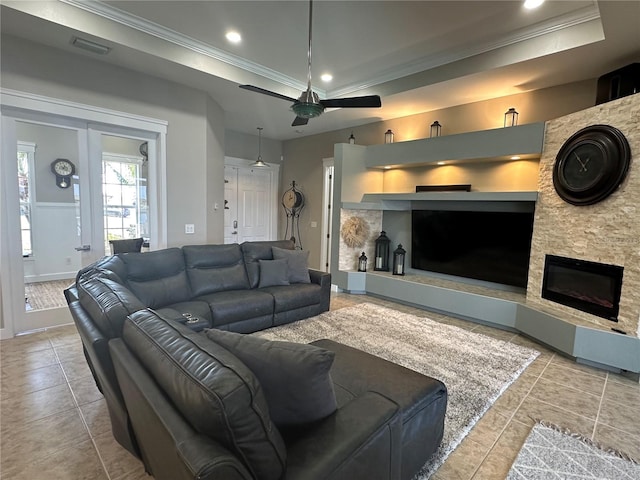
{"x":591,"y":165}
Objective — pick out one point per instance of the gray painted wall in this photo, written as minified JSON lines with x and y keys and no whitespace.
{"x":195,"y":138}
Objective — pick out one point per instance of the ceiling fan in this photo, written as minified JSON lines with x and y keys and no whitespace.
{"x":308,"y":104}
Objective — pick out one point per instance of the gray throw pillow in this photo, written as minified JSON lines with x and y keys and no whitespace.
{"x":273,"y":272}
{"x":297,"y":260}
{"x":294,"y":376}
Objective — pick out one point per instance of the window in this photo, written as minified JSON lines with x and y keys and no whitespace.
{"x":124,"y":198}
{"x":26,"y":155}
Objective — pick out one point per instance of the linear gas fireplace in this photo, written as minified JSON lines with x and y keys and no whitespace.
{"x":588,"y":286}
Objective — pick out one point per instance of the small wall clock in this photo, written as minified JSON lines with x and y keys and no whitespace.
{"x":63,"y":169}
{"x":591,"y":165}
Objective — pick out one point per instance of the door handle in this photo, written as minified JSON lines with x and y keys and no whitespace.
{"x":235,"y":224}
{"x":83,"y":248}
{"x":234,"y":233}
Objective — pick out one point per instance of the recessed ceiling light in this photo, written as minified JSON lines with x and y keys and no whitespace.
{"x":531,"y":4}
{"x":441,"y":163}
{"x":387,"y":167}
{"x":326,"y":77}
{"x":233,"y":36}
{"x":515,"y":157}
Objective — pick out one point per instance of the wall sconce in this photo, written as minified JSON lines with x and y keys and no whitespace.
{"x":362,"y":263}
{"x":382,"y":252}
{"x":352,"y":139}
{"x":388,"y":136}
{"x":436,"y":129}
{"x":398,"y":260}
{"x":511,"y":118}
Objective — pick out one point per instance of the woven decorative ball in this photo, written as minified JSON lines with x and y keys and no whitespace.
{"x":354,"y":232}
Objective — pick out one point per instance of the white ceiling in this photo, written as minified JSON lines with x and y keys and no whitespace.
{"x":417,"y":55}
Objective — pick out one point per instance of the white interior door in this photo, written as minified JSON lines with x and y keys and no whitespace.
{"x":230,"y":204}
{"x":250,"y":201}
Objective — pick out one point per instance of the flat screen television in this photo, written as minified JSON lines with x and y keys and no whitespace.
{"x":489,"y":246}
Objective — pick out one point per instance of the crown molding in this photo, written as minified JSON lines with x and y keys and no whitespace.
{"x":557,"y":24}
{"x":572,"y":19}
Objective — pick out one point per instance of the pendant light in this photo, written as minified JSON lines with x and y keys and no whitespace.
{"x":259,"y":163}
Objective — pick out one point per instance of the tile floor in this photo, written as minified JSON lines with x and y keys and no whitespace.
{"x":54,"y":422}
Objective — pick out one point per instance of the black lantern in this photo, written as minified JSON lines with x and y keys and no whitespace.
{"x":382,"y":252}
{"x":362,"y":263}
{"x":435,"y":129}
{"x":511,"y":118}
{"x":388,"y":136}
{"x":398,"y":260}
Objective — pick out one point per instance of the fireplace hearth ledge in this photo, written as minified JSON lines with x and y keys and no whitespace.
{"x":588,"y":344}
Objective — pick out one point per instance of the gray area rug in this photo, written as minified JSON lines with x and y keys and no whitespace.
{"x":475,"y":368}
{"x":550,"y":453}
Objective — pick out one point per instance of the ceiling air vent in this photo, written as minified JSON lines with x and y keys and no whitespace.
{"x":90,"y":46}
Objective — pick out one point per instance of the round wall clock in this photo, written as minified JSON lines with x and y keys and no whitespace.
{"x":292,"y":199}
{"x":591,"y":165}
{"x":63,"y":169}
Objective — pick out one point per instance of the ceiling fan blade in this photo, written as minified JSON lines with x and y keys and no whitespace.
{"x":267,"y":92}
{"x":371,"y":101}
{"x":299,"y":121}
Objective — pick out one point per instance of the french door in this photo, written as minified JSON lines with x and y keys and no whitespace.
{"x":57,"y":207}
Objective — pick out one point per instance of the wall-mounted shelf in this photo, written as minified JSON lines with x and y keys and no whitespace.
{"x":413,"y":201}
{"x":486,"y":145}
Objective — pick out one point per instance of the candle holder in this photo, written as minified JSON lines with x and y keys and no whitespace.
{"x":398,"y":260}
{"x":435,"y":129}
{"x":382,"y":252}
{"x":511,"y":118}
{"x":362,"y":263}
{"x":388,"y":136}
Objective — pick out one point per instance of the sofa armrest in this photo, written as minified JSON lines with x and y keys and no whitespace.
{"x":96,"y":350}
{"x":319,"y":277}
{"x":362,"y":439}
{"x":324,"y":280}
{"x":170,"y":447}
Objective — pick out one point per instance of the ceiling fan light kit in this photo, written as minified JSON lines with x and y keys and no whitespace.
{"x":309,"y":105}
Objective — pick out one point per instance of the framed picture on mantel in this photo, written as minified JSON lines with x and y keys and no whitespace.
{"x":444,"y":188}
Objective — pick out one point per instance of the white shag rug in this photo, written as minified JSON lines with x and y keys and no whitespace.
{"x":551,"y":453}
{"x":476,"y":368}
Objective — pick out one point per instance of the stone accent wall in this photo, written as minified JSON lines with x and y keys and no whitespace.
{"x":607,"y":232}
{"x":348,"y":257}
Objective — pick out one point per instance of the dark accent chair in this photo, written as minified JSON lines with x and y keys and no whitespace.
{"x":127,"y":245}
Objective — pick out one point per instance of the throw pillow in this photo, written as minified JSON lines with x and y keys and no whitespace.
{"x":297,"y":260}
{"x":294,"y":376}
{"x":273,"y":272}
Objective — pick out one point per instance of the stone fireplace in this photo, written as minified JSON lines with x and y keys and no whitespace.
{"x":590,"y":287}
{"x":604,"y":233}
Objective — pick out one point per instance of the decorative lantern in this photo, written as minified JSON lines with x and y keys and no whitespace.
{"x":352,"y":139}
{"x":511,"y":118}
{"x":362,"y":263}
{"x":388,"y":136}
{"x":436,"y":129}
{"x":398,"y":260}
{"x":382,"y":252}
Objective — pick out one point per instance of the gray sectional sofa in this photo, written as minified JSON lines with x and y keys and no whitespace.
{"x":193,"y":397}
{"x":201,"y":286}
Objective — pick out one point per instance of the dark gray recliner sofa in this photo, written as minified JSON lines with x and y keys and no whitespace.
{"x":197,"y":412}
{"x":205,"y":285}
